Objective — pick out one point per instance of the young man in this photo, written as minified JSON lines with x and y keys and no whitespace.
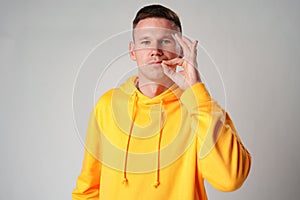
{"x":160,"y":135}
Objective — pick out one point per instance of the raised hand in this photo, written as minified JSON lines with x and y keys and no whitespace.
{"x":189,"y":75}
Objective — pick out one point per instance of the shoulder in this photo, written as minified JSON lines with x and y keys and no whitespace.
{"x":105,"y":99}
{"x":110,"y":97}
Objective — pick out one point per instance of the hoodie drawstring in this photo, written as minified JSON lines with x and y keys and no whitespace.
{"x":157,"y":182}
{"x":133,"y":114}
{"x":125,"y":180}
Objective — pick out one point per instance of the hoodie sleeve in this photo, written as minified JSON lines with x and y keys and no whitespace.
{"x":88,"y":182}
{"x":222,"y":159}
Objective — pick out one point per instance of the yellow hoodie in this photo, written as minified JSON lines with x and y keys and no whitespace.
{"x":161,"y":148}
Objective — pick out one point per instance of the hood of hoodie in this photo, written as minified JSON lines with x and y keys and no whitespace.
{"x":129,"y":88}
{"x":140,"y":115}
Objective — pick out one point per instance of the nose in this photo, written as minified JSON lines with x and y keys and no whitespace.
{"x":156,"y":50}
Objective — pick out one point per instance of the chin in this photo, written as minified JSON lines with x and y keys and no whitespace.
{"x":153,"y":73}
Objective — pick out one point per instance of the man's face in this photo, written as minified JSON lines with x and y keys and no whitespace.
{"x":154,"y":42}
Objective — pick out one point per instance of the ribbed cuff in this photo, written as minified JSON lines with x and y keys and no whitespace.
{"x":195,"y":95}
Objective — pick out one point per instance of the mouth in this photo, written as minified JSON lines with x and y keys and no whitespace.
{"x":155,"y":62}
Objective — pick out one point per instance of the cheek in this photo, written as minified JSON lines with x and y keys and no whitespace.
{"x":141,"y":55}
{"x":139,"y":59}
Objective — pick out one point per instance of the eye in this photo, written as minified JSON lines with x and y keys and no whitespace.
{"x":145,"y":42}
{"x":165,"y":41}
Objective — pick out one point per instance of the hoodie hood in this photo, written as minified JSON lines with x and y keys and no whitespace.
{"x":171,"y":94}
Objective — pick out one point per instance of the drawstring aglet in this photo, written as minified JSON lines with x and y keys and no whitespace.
{"x":125,"y":181}
{"x":157,"y":183}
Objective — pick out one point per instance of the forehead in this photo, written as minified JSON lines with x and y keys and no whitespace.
{"x":155,"y":22}
{"x":155,"y":27}
{"x":154,"y":33}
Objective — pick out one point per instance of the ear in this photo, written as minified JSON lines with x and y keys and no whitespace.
{"x":131,"y":51}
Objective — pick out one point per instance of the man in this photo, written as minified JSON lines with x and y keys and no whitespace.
{"x":160,"y":135}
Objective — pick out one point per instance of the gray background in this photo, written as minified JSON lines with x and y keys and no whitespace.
{"x":43,"y":44}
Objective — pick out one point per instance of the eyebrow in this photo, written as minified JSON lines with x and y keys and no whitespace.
{"x":143,"y":38}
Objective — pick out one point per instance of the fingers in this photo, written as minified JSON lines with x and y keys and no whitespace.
{"x":173,"y":62}
{"x":183,"y":44}
{"x":183,"y":62}
{"x":177,"y":77}
{"x":186,"y":43}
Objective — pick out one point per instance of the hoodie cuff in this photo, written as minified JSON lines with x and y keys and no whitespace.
{"x":194,"y":96}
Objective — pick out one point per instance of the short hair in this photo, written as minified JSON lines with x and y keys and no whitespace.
{"x":157,"y":11}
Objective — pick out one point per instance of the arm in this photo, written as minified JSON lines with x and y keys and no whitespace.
{"x":222,"y":159}
{"x":88,"y":182}
{"x":87,"y":186}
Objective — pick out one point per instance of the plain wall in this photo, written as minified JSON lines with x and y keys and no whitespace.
{"x":57,"y":57}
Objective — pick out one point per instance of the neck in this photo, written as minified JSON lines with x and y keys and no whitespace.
{"x":154,"y":88}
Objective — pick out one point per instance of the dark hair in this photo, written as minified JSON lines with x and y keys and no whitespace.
{"x":158,"y":11}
